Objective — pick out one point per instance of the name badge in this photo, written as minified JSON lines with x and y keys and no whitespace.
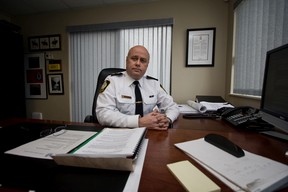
{"x":126,"y":97}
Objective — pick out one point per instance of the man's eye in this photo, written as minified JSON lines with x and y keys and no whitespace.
{"x":142,"y":60}
{"x":134,"y":58}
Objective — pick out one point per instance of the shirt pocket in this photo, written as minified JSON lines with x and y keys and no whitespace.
{"x":125,"y":104}
{"x":150,"y":102}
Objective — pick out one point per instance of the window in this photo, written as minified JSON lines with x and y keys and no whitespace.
{"x":95,"y":47}
{"x":259,"y":26}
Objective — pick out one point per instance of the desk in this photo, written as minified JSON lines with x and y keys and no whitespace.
{"x":161,"y":150}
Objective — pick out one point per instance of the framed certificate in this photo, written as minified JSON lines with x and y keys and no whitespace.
{"x":200,"y":47}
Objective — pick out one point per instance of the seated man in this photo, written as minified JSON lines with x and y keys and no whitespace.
{"x":119,"y":104}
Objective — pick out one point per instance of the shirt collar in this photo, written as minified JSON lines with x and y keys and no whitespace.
{"x":131,"y":80}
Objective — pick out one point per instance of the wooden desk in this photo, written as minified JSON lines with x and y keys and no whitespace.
{"x":161,"y":150}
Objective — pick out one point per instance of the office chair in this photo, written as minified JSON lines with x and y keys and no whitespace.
{"x":102,"y":76}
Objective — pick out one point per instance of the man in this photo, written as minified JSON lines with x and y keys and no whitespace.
{"x":116,"y":103}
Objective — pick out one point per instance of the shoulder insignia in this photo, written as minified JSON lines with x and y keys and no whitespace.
{"x":117,"y":74}
{"x":104,"y":86}
{"x":149,"y":77}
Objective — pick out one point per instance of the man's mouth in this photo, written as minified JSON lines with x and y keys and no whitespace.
{"x":136,"y":70}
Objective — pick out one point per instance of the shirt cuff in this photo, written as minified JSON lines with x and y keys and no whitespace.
{"x":133,"y":121}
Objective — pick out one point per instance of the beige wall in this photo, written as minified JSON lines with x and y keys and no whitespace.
{"x":186,"y":82}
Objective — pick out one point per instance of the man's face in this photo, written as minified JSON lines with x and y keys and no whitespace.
{"x":137,"y":62}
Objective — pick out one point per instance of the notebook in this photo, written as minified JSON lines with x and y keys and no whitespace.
{"x":191,"y":178}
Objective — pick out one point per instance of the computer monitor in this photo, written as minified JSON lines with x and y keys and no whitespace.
{"x":274,"y":101}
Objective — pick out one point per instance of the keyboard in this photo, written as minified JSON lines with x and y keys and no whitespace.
{"x":200,"y":115}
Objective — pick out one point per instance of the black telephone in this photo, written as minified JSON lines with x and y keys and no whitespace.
{"x":245,"y":117}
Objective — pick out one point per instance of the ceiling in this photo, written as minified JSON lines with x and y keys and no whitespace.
{"x":24,"y":7}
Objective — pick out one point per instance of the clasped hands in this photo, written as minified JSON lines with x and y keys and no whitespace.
{"x":154,"y":120}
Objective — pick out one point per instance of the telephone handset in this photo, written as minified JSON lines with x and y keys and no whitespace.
{"x":244,"y":116}
{"x":238,"y":111}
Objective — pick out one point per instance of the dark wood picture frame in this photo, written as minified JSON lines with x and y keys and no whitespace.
{"x":200,"y":47}
{"x":45,"y":42}
{"x":55,"y":84}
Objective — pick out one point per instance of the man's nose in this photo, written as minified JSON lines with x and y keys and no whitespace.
{"x":138,"y":62}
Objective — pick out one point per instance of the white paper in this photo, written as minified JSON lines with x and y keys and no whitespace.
{"x":133,"y":181}
{"x":251,"y":172}
{"x":197,"y":106}
{"x":52,"y":144}
{"x":211,"y":106}
{"x":184,"y":109}
{"x":111,"y":141}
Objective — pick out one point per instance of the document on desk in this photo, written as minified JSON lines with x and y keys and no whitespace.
{"x":185,"y":108}
{"x":250,"y":172}
{"x":210,"y":106}
{"x":44,"y":147}
{"x":201,"y":107}
{"x":133,"y":181}
{"x":111,"y":142}
{"x":114,"y":149}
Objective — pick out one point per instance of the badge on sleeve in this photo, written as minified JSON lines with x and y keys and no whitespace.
{"x":104,"y":86}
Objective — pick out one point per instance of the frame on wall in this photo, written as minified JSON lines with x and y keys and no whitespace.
{"x":200,"y":47}
{"x":45,"y":43}
{"x":35,"y":81}
{"x":55,"y":82}
{"x":53,"y":65}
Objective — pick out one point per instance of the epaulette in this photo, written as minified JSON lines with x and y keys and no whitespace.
{"x":117,"y":74}
{"x":148,"y":77}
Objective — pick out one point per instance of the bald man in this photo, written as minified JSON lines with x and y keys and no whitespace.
{"x":116,"y":103}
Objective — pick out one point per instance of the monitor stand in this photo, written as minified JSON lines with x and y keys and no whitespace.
{"x":276,"y":134}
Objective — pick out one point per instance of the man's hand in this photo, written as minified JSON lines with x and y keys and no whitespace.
{"x":154,"y":120}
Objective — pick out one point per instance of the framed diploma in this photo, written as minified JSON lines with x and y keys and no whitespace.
{"x":200,"y":47}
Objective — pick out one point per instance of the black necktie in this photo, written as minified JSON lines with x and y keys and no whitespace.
{"x":138,"y":101}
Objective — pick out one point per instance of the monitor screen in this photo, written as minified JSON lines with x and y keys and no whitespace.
{"x":274,"y":101}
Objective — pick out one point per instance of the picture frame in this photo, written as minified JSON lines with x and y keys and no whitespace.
{"x":45,"y":42}
{"x":34,"y":44}
{"x":55,"y":42}
{"x":200,"y":47}
{"x":53,"y":65}
{"x":55,"y":84}
{"x":35,"y":76}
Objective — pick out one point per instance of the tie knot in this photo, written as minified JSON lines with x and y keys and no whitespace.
{"x":136,"y":83}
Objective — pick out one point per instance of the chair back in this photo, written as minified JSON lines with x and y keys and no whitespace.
{"x":101,"y":78}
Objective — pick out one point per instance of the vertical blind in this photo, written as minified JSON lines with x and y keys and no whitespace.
{"x":91,"y":51}
{"x":260,"y":25}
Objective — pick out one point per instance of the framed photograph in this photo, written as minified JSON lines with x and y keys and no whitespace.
{"x":55,"y":82}
{"x":55,"y":42}
{"x":34,"y":44}
{"x":45,"y":43}
{"x":35,"y":80}
{"x":200,"y":47}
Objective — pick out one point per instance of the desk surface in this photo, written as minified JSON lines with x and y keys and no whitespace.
{"x":161,"y":150}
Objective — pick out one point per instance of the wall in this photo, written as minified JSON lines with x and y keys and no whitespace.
{"x":186,"y":82}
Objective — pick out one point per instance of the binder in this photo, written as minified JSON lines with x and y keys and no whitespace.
{"x":111,"y":148}
{"x":97,"y":152}
{"x":210,"y":98}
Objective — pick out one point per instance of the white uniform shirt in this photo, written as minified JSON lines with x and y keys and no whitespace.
{"x":116,"y":101}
